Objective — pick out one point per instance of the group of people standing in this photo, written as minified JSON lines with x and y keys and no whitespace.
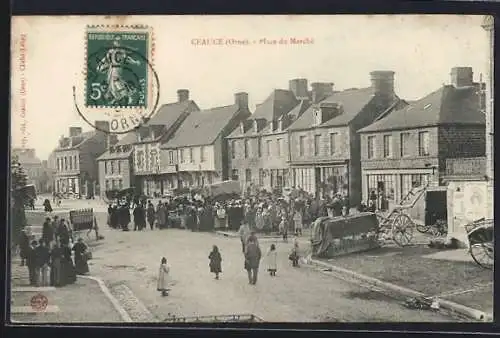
{"x":49,"y":260}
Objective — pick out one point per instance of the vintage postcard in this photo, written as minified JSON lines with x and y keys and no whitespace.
{"x":294,"y":168}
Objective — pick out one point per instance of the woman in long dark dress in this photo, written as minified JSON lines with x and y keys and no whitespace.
{"x":215,"y":261}
{"x":47,"y":206}
{"x":67,"y":267}
{"x":80,"y":260}
{"x":24,"y":247}
{"x":56,"y":266}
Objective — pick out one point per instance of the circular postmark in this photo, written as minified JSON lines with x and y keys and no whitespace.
{"x":120,"y":87}
{"x":39,"y":302}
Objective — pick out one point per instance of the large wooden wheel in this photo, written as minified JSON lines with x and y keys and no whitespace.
{"x":483,"y":254}
{"x":402,"y":229}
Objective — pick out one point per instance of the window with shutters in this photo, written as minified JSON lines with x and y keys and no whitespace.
{"x":423,"y":143}
{"x":405,"y":144}
{"x":302,"y":145}
{"x":268,"y":148}
{"x":317,"y":139}
{"x":371,"y":146}
{"x":387,"y":146}
{"x":333,"y":143}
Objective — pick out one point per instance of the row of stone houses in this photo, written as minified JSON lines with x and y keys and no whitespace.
{"x":324,"y":141}
{"x":181,"y":146}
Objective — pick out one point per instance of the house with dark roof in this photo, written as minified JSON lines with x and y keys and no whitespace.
{"x":135,"y":160}
{"x":259,"y":147}
{"x":76,"y":168}
{"x":197,"y":149}
{"x":324,"y":144}
{"x":438,"y":136}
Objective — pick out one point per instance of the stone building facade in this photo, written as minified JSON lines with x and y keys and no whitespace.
{"x":411,"y":146}
{"x":325,"y":146}
{"x":75,"y":157}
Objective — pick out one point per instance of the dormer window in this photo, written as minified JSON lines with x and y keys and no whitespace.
{"x":272,"y":125}
{"x":280,"y":124}
{"x":242,"y":127}
{"x":255,"y":126}
{"x":317,"y":115}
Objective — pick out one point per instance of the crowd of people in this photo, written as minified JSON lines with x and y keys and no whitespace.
{"x":50,"y":259}
{"x":263,"y":214}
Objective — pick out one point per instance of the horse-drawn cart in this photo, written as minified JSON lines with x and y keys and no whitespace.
{"x":481,"y":242}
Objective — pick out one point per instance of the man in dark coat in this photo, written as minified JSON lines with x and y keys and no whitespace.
{"x":150,"y":214}
{"x":42,"y":258}
{"x":253,"y":255}
{"x":31,"y":263}
{"x":139,"y":218}
{"x":124,"y":217}
{"x":47,"y":232}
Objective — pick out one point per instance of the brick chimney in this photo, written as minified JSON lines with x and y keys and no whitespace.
{"x":112,"y":140}
{"x":299,"y":88}
{"x":321,"y":90}
{"x":74,"y":131}
{"x":182,"y":95}
{"x":383,"y":82}
{"x":461,"y":77}
{"x":241,"y":100}
{"x":102,"y":126}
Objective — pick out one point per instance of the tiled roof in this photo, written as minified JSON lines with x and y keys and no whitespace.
{"x":352,"y":102}
{"x":280,"y":102}
{"x":76,"y":141}
{"x":115,"y":155}
{"x":447,"y":105}
{"x":129,"y":138}
{"x":202,"y":127}
{"x":168,"y":113}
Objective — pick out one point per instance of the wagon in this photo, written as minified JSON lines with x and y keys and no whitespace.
{"x":235,"y":318}
{"x":481,"y":242}
{"x":397,"y":224}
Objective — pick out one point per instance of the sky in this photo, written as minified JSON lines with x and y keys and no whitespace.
{"x":421,"y":50}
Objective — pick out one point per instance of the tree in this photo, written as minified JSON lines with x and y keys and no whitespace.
{"x":19,"y":179}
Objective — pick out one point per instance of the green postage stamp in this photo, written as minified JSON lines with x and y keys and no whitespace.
{"x":117,"y":67}
{"x":119,"y":83}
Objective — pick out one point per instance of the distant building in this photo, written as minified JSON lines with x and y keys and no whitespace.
{"x":198,"y":149}
{"x":259,"y":148}
{"x":324,"y":144}
{"x":154,"y":176}
{"x":32,"y":166}
{"x":424,"y":141}
{"x":75,"y":157}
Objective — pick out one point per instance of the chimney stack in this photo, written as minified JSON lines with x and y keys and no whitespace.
{"x":461,"y":76}
{"x":321,"y":90}
{"x":102,"y":126}
{"x":182,"y":95}
{"x":383,"y":82}
{"x":112,"y":140}
{"x":241,"y":100}
{"x":299,"y":88}
{"x":74,"y":131}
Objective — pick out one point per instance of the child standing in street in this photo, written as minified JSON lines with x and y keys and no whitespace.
{"x":215,"y":261}
{"x":272,"y":256}
{"x":294,"y":255}
{"x":163,"y":272}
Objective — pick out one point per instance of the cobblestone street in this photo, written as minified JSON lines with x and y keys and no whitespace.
{"x":132,"y":259}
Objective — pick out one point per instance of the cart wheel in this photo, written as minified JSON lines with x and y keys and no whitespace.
{"x":402,"y":230}
{"x":422,"y":228}
{"x":483,"y":254}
